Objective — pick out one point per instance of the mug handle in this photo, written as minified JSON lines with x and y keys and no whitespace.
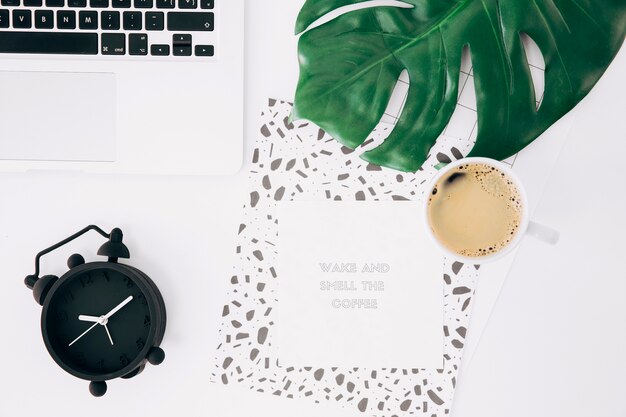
{"x":543,"y":233}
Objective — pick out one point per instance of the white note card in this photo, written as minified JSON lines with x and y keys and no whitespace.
{"x":360,"y":285}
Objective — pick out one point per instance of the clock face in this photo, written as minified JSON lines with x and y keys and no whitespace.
{"x":97,"y":323}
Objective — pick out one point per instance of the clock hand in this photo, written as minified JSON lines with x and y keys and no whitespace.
{"x":84,"y":333}
{"x":92,"y":319}
{"x":118,"y":308}
{"x":108,"y":334}
{"x":102,"y":320}
{"x":97,"y":320}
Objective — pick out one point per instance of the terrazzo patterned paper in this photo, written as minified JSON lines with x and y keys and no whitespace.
{"x":299,"y":162}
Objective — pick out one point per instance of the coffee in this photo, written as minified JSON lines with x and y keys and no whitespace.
{"x":475,"y":210}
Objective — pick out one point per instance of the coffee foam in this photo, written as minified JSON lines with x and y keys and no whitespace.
{"x":494,"y":183}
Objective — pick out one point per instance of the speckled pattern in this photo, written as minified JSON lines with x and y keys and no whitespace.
{"x":299,"y":162}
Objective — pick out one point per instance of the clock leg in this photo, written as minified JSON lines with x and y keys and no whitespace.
{"x":156,"y":356}
{"x":98,"y":388}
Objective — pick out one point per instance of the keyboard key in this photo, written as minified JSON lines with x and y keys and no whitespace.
{"x":154,"y":21}
{"x":132,"y":21}
{"x":110,"y":20}
{"x":66,"y":19}
{"x":181,"y":45}
{"x":7,"y":3}
{"x":113,"y":44}
{"x":160,"y":50}
{"x":207,"y":4}
{"x":88,"y":20}
{"x":190,"y":22}
{"x":55,"y":3}
{"x":4,"y":19}
{"x":49,"y":43}
{"x":181,"y":40}
{"x":22,"y":19}
{"x":205,"y":50}
{"x":166,"y":4}
{"x":77,"y":3}
{"x":98,"y":4}
{"x":121,"y":4}
{"x":144,"y":4}
{"x":182,"y":50}
{"x":33,"y":3}
{"x":138,"y":44}
{"x":44,"y":19}
{"x":187,"y":4}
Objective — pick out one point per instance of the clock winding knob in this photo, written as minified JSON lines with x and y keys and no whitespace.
{"x":30,"y":281}
{"x":75,"y":260}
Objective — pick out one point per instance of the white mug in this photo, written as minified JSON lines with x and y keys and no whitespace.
{"x":526,"y":226}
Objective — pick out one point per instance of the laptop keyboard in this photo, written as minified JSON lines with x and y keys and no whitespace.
{"x":173,"y":28}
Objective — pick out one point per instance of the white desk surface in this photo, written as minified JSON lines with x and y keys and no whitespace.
{"x":555,"y":342}
{"x":182,"y":227}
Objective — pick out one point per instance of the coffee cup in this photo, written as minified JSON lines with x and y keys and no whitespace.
{"x":476,"y":211}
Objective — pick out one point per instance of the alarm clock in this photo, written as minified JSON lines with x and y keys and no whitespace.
{"x":100,"y":320}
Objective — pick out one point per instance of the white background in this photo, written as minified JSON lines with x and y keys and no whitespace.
{"x":555,"y":343}
{"x":181,"y":232}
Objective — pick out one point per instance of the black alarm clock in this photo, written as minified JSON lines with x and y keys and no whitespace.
{"x":100,"y":320}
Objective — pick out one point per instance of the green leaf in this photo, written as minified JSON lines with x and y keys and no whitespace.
{"x":350,"y":65}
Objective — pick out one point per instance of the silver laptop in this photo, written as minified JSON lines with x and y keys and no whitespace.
{"x":122,"y":86}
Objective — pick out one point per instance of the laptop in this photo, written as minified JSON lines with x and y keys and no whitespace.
{"x":122,"y":86}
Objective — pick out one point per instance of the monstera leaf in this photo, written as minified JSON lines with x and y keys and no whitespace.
{"x":349,"y":67}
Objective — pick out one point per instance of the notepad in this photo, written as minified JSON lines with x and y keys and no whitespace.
{"x":361,"y":286}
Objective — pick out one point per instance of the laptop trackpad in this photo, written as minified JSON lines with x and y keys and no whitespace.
{"x":56,"y":116}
